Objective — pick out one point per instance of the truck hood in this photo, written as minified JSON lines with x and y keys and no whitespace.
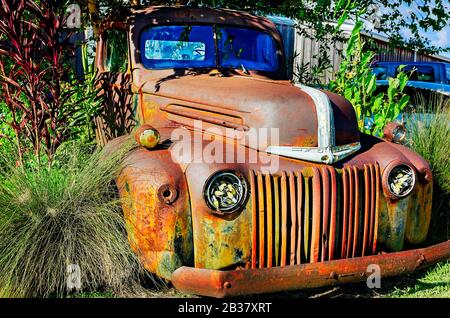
{"x":312,"y":125}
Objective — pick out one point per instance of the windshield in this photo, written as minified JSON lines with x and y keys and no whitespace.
{"x":164,"y":47}
{"x":422,"y":73}
{"x":178,"y":47}
{"x":380,"y":72}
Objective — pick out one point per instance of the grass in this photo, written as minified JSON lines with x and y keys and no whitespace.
{"x":435,"y":283}
{"x":429,"y":130}
{"x":149,"y":292}
{"x":68,"y":214}
{"x":94,"y":294}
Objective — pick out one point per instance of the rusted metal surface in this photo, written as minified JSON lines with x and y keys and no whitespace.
{"x":224,"y":120}
{"x":269,"y":280}
{"x":223,"y":243}
{"x":366,"y":215}
{"x":284,"y":215}
{"x":394,"y":213}
{"x":220,"y":241}
{"x":277,"y":220}
{"x":117,"y":116}
{"x":345,"y":209}
{"x":325,"y":212}
{"x":376,"y":214}
{"x":419,"y":214}
{"x":316,"y":232}
{"x":269,"y":201}
{"x":333,"y":223}
{"x":215,"y":97}
{"x":254,"y":224}
{"x":320,"y":228}
{"x":262,"y":223}
{"x":218,"y":101}
{"x":343,"y":113}
{"x":110,"y":24}
{"x":356,"y":213}
{"x":351,"y":207}
{"x":157,"y":211}
{"x":299,"y":220}
{"x":293,"y":212}
{"x":373,"y":194}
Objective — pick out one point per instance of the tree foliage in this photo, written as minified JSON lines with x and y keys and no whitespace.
{"x":36,"y":77}
{"x":412,"y":16}
{"x":357,"y":83}
{"x":391,"y":17}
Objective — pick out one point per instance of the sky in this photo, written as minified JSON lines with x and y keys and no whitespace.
{"x":437,"y":38}
{"x":440,"y":38}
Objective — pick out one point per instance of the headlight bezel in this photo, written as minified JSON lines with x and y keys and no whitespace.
{"x":230,"y":177}
{"x":395,"y":132}
{"x":388,"y":176}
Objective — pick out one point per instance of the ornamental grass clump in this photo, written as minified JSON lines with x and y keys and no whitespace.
{"x":62,"y":226}
{"x":429,"y":130}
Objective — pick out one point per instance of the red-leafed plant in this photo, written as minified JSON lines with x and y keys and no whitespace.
{"x":34,"y":53}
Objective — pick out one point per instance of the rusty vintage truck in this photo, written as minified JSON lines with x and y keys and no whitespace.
{"x":334,"y":202}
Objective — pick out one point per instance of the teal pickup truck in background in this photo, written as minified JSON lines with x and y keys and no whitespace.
{"x":424,"y":76}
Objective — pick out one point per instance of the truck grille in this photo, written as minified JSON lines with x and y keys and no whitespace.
{"x":315,"y":214}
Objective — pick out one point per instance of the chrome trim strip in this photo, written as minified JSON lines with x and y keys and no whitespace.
{"x":327,"y":152}
{"x":326,"y":156}
{"x":325,"y":118}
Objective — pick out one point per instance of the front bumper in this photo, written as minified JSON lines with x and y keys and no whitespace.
{"x":216,"y":283}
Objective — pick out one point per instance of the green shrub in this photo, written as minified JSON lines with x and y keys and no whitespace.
{"x":43,"y":102}
{"x":87,"y":97}
{"x":67,"y":214}
{"x":356,"y":82}
{"x":429,"y":130}
{"x":5,"y":116}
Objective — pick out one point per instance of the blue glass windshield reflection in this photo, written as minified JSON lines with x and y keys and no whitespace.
{"x":165,"y":47}
{"x":170,"y":47}
{"x":249,"y":48}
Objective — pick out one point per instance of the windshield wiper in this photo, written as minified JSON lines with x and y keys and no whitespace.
{"x":244,"y":69}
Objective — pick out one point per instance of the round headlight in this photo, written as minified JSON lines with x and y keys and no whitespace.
{"x":395,"y":133}
{"x":226,"y":192}
{"x":401,"y":180}
{"x":147,"y":136}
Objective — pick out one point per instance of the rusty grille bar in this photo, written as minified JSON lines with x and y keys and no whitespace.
{"x":314,"y":215}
